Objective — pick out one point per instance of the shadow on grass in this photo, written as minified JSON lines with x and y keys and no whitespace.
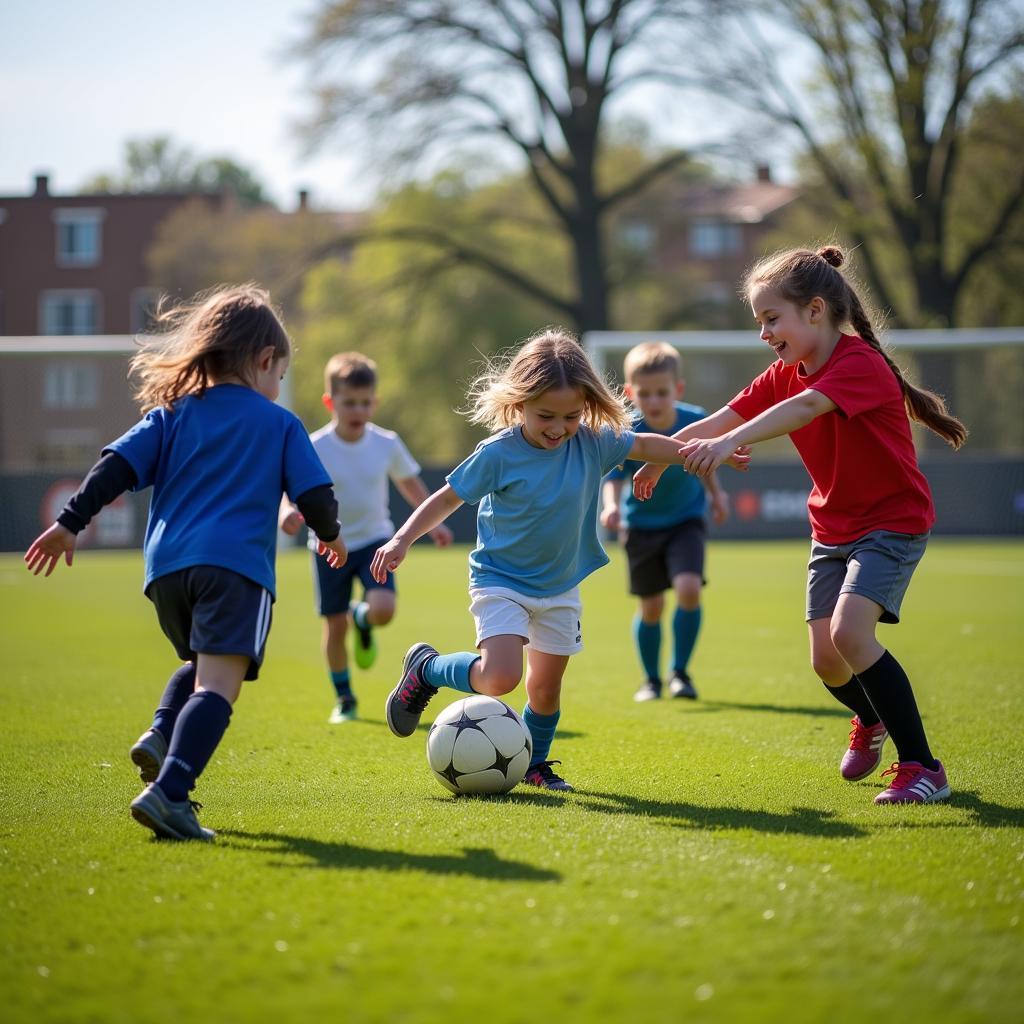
{"x":780,"y":709}
{"x":478,"y":862}
{"x":804,"y":821}
{"x":985,"y":814}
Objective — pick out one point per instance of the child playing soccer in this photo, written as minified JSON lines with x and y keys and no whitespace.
{"x":359,"y":456}
{"x":847,"y":408}
{"x":663,"y":537}
{"x":537,"y":481}
{"x":218,"y":454}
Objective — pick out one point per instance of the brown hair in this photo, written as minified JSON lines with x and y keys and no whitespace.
{"x":652,"y":357}
{"x":552,"y":358}
{"x":800,"y":275}
{"x":349,"y":368}
{"x":217,"y":335}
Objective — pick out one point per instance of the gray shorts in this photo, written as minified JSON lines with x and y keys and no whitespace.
{"x":877,"y":566}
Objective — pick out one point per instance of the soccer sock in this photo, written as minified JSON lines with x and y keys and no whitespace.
{"x":647,"y":636}
{"x":853,"y":696}
{"x":889,"y":690}
{"x":542,"y":729}
{"x":685,"y":627}
{"x":199,"y":729}
{"x":451,"y":670}
{"x":178,"y":690}
{"x":342,"y":684}
{"x":359,"y":613}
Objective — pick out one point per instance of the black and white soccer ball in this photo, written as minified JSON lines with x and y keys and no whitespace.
{"x":479,"y":745}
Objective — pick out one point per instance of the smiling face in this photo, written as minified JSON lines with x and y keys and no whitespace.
{"x":655,"y":395}
{"x":796,"y":333}
{"x":550,"y":419}
{"x":352,"y":408}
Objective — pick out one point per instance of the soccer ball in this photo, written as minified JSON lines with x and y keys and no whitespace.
{"x":479,"y":745}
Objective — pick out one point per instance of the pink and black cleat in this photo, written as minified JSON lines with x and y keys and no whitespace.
{"x":865,"y":753}
{"x":914,"y":784}
{"x":408,"y":699}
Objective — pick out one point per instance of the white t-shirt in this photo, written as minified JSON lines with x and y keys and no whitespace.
{"x":359,"y":471}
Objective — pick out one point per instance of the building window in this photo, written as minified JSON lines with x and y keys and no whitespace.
{"x":79,"y":237}
{"x":142,"y":312}
{"x":637,"y":236}
{"x":71,"y":385}
{"x":68,"y":311}
{"x":710,"y":238}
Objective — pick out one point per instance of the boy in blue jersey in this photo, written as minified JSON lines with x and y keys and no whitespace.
{"x":663,"y":537}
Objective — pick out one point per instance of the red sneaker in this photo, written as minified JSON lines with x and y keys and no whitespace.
{"x":865,"y":753}
{"x":914,"y":784}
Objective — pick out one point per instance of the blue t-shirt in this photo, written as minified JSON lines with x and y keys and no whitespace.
{"x":537,"y":520}
{"x":218,"y":466}
{"x":678,"y":496}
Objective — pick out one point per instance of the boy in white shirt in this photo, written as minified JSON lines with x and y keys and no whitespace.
{"x":359,"y":457}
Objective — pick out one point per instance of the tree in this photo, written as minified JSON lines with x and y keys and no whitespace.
{"x":887,"y":132}
{"x":531,"y":78}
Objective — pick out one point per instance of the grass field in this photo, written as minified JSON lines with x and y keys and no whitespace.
{"x":711,"y":866}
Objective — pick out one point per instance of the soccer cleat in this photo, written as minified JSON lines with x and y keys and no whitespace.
{"x":649,"y":690}
{"x":148,"y":754}
{"x":541,"y":774}
{"x":865,"y":753}
{"x":167,"y":818}
{"x":681,"y":685}
{"x":914,"y":784}
{"x":365,"y":645}
{"x":344,"y":711}
{"x":408,"y":699}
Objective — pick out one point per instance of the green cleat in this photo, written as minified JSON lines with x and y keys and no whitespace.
{"x":365,"y":645}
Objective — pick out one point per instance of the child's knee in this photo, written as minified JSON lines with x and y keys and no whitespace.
{"x":496,"y":682}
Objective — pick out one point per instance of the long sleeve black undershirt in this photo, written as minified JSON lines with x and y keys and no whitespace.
{"x":319,"y":508}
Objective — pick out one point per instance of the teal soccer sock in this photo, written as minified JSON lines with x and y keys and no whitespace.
{"x":685,"y":627}
{"x":451,"y":670}
{"x":342,"y":684}
{"x":647,"y":636}
{"x":542,"y":729}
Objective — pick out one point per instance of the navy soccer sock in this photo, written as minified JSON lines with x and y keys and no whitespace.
{"x":852,"y":695}
{"x":342,"y":684}
{"x":199,"y":729}
{"x":179,"y":688}
{"x":451,"y":670}
{"x":542,"y":729}
{"x":647,"y":636}
{"x":685,"y":627}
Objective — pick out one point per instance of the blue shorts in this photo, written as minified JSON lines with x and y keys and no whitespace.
{"x":877,"y":566}
{"x":333,"y":587}
{"x":208,"y":610}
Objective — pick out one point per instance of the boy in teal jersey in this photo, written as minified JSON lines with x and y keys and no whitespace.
{"x":664,"y":537}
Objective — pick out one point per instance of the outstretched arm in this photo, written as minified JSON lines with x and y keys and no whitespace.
{"x":428,"y":516}
{"x":414,"y":490}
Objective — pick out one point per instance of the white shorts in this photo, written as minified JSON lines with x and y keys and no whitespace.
{"x":549,"y":624}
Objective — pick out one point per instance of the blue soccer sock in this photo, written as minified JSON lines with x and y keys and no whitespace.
{"x":179,"y":688}
{"x":199,"y":729}
{"x":685,"y":627}
{"x":647,"y":636}
{"x":542,"y":729}
{"x":359,"y":615}
{"x":342,"y":684}
{"x":451,"y":670}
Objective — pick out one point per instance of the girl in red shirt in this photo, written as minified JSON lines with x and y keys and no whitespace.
{"x":847,"y":407}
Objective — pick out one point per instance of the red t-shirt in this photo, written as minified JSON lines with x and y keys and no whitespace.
{"x":861,"y":455}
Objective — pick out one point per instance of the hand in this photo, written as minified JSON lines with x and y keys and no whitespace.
{"x":291,"y":522}
{"x":387,"y":558}
{"x":719,"y":507}
{"x":704,"y":456}
{"x":46,"y":549}
{"x":333,"y":550}
{"x":645,"y":480}
{"x":442,"y":536}
{"x":610,"y":517}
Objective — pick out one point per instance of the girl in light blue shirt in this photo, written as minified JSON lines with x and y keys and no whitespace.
{"x":537,"y":483}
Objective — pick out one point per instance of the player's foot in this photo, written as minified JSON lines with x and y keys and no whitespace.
{"x":365,"y":645}
{"x":914,"y":784}
{"x":346,"y":710}
{"x":167,"y":818}
{"x":865,"y":753}
{"x":148,"y":754}
{"x":542,"y":775}
{"x":650,"y":689}
{"x":681,"y":685}
{"x":408,"y":699}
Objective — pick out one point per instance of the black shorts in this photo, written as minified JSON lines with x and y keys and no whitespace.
{"x":208,"y":610}
{"x":656,"y":557}
{"x":333,"y":587}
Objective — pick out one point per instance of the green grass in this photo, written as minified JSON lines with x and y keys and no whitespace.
{"x":712,"y":865}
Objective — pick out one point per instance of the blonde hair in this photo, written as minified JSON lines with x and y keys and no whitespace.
{"x":349,"y":368}
{"x":800,"y":275}
{"x":652,"y":357}
{"x":217,"y":335}
{"x":551,"y":358}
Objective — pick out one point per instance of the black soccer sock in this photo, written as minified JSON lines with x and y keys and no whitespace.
{"x":853,"y":696}
{"x":179,"y":688}
{"x":889,"y":690}
{"x":199,"y":729}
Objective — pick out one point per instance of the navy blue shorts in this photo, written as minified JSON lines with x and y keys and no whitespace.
{"x":208,"y":610}
{"x":657,"y":557}
{"x":333,"y":587}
